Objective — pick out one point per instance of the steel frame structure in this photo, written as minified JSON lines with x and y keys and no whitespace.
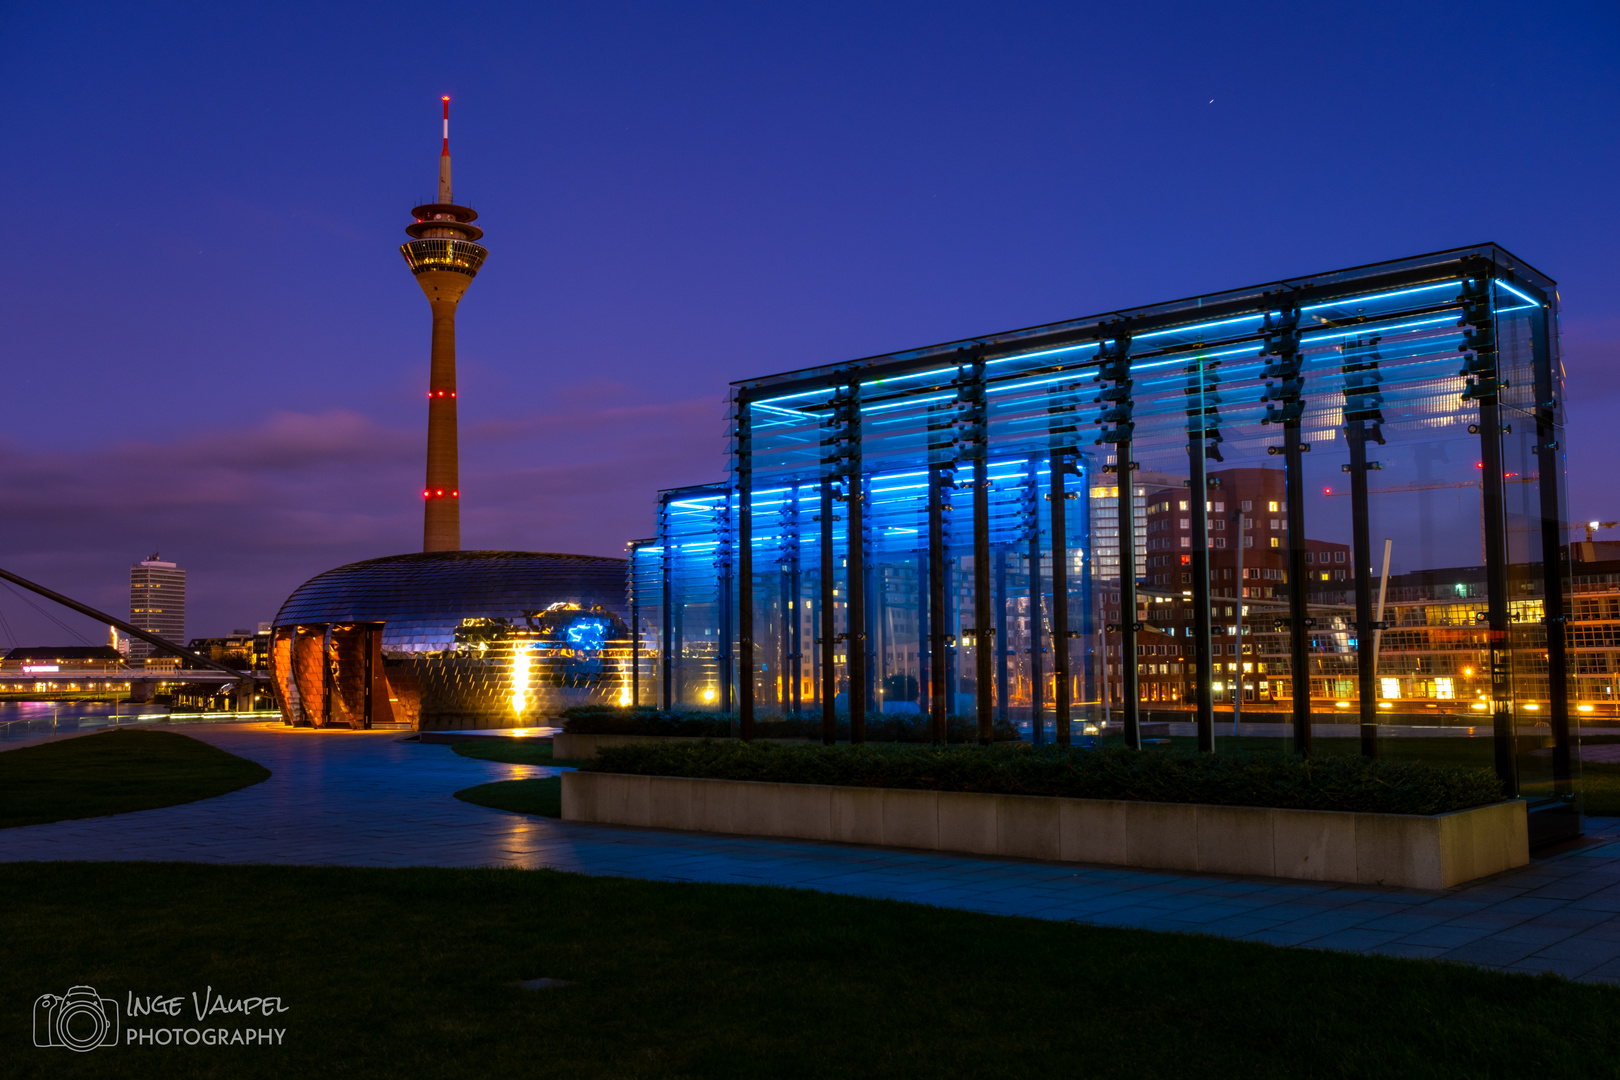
{"x":910,"y":512}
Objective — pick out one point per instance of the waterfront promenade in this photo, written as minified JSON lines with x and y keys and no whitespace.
{"x":371,"y":799}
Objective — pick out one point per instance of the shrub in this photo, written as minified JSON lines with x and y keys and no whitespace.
{"x":607,"y":720}
{"x":1247,"y":779}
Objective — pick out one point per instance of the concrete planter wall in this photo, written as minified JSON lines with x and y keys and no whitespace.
{"x":580,"y":747}
{"x":1405,"y":850}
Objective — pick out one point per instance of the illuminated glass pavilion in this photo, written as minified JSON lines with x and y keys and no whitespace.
{"x":937,"y":531}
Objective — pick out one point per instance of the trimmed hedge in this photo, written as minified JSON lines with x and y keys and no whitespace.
{"x":1248,"y":779}
{"x":607,"y":720}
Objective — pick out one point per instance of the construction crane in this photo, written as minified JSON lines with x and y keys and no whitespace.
{"x":1401,"y":488}
{"x":1593,"y":526}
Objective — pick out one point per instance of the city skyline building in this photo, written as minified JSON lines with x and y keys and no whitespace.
{"x":157,"y":604}
{"x":444,"y":257}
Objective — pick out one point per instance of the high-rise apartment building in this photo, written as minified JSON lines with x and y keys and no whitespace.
{"x":157,"y":604}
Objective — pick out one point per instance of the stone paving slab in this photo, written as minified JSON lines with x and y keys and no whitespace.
{"x":373,"y":799}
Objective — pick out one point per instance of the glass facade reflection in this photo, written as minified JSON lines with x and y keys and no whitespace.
{"x":453,"y":639}
{"x":460,"y":256}
{"x":1346,"y":503}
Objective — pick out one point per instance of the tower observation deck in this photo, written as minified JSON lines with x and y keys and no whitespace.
{"x":444,"y":255}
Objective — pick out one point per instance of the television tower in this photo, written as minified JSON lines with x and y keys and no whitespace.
{"x":444,"y":257}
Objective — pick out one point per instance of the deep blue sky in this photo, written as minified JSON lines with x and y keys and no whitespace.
{"x":213,"y":348}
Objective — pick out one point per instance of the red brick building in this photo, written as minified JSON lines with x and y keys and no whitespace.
{"x":1248,"y":548}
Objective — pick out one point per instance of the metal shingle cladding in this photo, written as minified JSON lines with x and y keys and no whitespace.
{"x":422,"y":597}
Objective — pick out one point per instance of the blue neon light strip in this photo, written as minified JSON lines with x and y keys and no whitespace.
{"x":1381,"y":296}
{"x":1198,"y":326}
{"x":1361,"y":331}
{"x":907,"y":402}
{"x":1043,"y":352}
{"x":1532,"y":301}
{"x":1247,"y":350}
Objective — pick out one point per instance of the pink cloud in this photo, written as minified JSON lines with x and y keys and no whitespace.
{"x":254,"y":511}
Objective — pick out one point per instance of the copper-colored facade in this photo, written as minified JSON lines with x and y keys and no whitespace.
{"x":452,"y":640}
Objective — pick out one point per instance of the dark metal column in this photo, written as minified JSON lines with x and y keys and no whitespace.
{"x":793,"y":603}
{"x":1490,"y":437}
{"x":727,"y":597}
{"x":1553,"y":550}
{"x":998,"y":602}
{"x":1203,"y":442}
{"x":1114,"y":374}
{"x":925,"y":633}
{"x":1129,"y":624}
{"x":1060,"y":466}
{"x":635,"y":629}
{"x":1202,"y":644}
{"x":855,"y":566}
{"x":939,"y":705}
{"x":1037,"y":670}
{"x":1480,"y":365}
{"x":1361,"y":408}
{"x":1299,"y":592}
{"x":667,"y":629}
{"x":745,"y":573}
{"x":984,"y":640}
{"x":829,"y":675}
{"x":1085,"y":610}
{"x":1285,"y":364}
{"x":1361,"y":544}
{"x":975,"y":419}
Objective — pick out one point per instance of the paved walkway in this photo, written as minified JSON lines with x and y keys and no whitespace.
{"x":368,"y":799}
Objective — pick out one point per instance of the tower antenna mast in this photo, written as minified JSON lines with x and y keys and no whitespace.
{"x":445,"y":194}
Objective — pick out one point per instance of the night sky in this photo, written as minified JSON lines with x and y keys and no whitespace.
{"x":213,"y":349}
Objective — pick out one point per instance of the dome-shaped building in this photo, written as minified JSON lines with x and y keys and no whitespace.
{"x":453,"y":639}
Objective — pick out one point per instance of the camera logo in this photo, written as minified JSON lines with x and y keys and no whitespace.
{"x":79,"y":1020}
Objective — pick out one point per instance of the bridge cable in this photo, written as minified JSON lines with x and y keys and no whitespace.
{"x":45,"y":613}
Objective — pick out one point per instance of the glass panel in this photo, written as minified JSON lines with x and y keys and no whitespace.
{"x":1399,"y":352}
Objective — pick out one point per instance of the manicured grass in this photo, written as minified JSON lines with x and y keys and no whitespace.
{"x":1601,"y":789}
{"x":541,"y":795}
{"x":115,"y":772}
{"x":512,"y":752}
{"x":415,"y":973}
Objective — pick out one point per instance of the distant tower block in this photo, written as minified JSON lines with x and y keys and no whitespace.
{"x":443,"y":256}
{"x":157,"y":604}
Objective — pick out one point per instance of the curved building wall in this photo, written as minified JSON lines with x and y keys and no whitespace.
{"x":453,"y":639}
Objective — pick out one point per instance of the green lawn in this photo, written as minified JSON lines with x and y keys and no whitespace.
{"x":1600,"y":789}
{"x":115,"y":772}
{"x":541,"y":796}
{"x":511,"y":751}
{"x":415,"y":973}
